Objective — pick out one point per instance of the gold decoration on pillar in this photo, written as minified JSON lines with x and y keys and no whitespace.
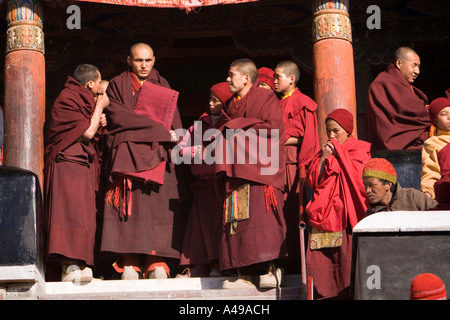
{"x":24,"y":26}
{"x":331,"y":20}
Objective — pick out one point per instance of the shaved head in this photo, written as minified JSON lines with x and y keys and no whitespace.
{"x":138,"y":46}
{"x":141,"y":60}
{"x":290,"y":68}
{"x":246,"y":66}
{"x":407,"y":61}
{"x":403,"y":52}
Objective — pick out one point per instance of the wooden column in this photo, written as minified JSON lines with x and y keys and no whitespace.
{"x":334,"y":75}
{"x":24,"y":87}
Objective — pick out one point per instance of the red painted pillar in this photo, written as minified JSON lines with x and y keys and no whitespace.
{"x":24,"y":87}
{"x":334,"y":75}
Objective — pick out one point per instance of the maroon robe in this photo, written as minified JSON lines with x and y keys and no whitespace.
{"x":71,"y":176}
{"x":338,"y":204}
{"x":397,"y":117}
{"x":151,"y":222}
{"x":300,"y":120}
{"x":261,"y":237}
{"x":204,"y":225}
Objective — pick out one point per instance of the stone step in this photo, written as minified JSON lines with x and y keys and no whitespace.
{"x":205,"y":288}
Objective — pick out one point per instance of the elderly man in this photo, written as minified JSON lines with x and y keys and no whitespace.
{"x":142,"y":217}
{"x":397,"y":116}
{"x":386,"y":194}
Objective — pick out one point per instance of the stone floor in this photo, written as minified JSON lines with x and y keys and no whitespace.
{"x":26,"y":283}
{"x":208,"y":288}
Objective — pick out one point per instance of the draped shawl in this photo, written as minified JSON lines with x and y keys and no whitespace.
{"x":339,"y":194}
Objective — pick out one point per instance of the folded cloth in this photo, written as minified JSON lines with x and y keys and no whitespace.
{"x":159,"y":104}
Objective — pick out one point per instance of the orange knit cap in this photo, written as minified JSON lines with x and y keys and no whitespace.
{"x":380,"y":168}
{"x":427,"y":286}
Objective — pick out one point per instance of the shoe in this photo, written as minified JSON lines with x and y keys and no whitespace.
{"x":74,"y":273}
{"x":271,"y":280}
{"x":129,"y":273}
{"x":240,"y":283}
{"x":157,"y":273}
{"x":86,"y":274}
{"x":185,"y":274}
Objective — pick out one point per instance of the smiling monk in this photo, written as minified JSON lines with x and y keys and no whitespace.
{"x":397,"y":117}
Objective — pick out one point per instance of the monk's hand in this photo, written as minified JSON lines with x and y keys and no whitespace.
{"x":103,"y":121}
{"x":103,"y":101}
{"x":328,"y":149}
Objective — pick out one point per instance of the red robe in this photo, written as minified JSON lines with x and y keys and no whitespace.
{"x":338,"y":204}
{"x":260,"y":238}
{"x":397,"y":117}
{"x":300,"y":120}
{"x":204,"y":225}
{"x":152,"y":223}
{"x":71,"y":176}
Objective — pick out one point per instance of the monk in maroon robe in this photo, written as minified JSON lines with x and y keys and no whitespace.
{"x":72,"y":174}
{"x":204,"y":226}
{"x":254,"y":227}
{"x":397,"y":116}
{"x":142,"y":218}
{"x":302,"y":143}
{"x":338,"y":204}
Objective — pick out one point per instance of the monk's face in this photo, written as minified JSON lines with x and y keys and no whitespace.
{"x":102,"y":89}
{"x":236,"y":80}
{"x":94,"y":85}
{"x":409,"y":66}
{"x":215,"y":106}
{"x":335,"y":131}
{"x":281,"y":82}
{"x":141,"y":61}
{"x":265,"y":86}
{"x":443,"y":119}
{"x":377,"y":192}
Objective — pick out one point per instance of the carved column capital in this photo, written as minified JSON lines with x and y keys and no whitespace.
{"x":24,"y":26}
{"x":331,"y":20}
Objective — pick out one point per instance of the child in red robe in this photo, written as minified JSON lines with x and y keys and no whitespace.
{"x":339,"y":203}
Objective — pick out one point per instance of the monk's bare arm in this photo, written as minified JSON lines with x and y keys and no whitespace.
{"x":293,"y":141}
{"x":101,"y":104}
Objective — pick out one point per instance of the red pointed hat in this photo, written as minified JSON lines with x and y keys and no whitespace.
{"x":343,"y":117}
{"x":222,"y":91}
{"x":380,"y":168}
{"x":266,"y":75}
{"x":436,"y":106}
{"x":427,"y":286}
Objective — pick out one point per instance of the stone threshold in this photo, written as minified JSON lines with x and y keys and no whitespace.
{"x":204,"y":288}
